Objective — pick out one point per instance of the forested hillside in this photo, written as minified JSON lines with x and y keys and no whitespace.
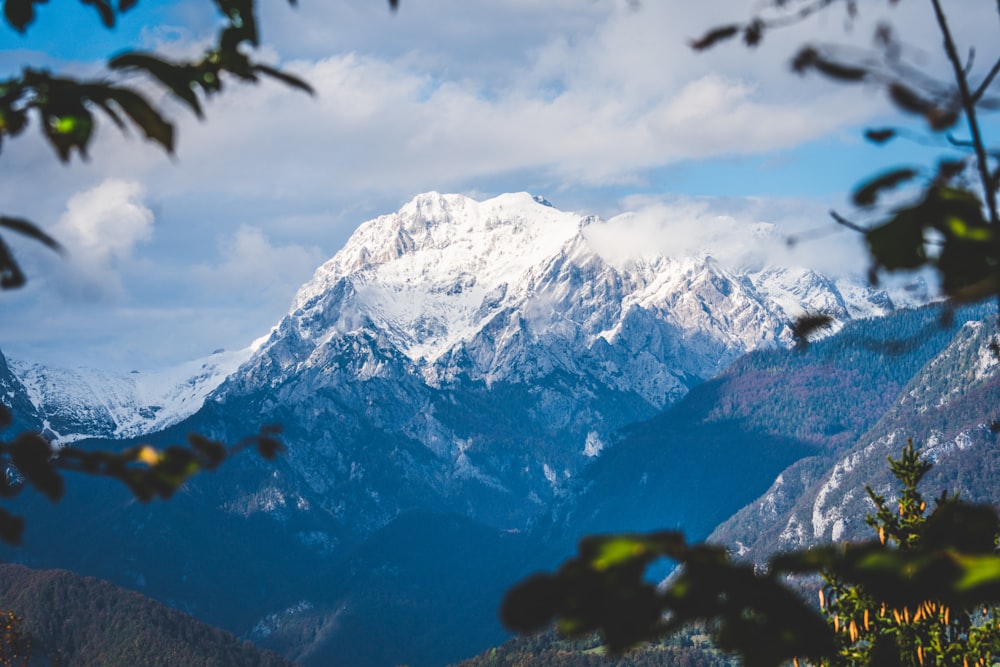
{"x":690,"y":649}
{"x":87,"y":622}
{"x":771,"y":411}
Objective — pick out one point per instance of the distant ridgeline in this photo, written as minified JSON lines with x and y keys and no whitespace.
{"x":437,"y":455}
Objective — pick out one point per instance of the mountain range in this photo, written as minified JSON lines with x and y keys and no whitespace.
{"x":464,"y":389}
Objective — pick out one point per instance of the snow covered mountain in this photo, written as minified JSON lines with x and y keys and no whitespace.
{"x":502,"y":344}
{"x":506,"y":290}
{"x":74,"y":403}
{"x":511,"y":289}
{"x":440,"y":382}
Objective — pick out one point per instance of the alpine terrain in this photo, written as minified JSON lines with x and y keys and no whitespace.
{"x":449,"y":383}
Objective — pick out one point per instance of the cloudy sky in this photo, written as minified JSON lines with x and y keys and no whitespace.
{"x":599,"y":105}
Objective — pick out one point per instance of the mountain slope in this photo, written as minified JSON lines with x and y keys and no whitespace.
{"x":769,"y":414}
{"x":947,"y":407}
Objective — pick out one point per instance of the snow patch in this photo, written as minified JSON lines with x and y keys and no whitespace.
{"x":593,"y":446}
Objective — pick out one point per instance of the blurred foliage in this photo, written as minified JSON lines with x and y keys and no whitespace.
{"x":942,"y":216}
{"x":902,"y":599}
{"x":67,"y":109}
{"x":31,"y":460}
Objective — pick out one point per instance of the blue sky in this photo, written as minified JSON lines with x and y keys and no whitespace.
{"x":596,"y":104}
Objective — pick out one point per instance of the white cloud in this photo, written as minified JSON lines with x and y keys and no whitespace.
{"x":741,"y":233}
{"x":100,"y":228}
{"x":255,"y":271}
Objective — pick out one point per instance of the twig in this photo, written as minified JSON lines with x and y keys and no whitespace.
{"x":970,"y":112}
{"x":841,"y":220}
{"x":987,"y":81}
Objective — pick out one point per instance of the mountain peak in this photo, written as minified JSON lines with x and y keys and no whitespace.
{"x":448,"y":243}
{"x":461,"y":286}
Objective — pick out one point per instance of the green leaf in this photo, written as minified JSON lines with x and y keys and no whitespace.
{"x":980,"y":573}
{"x":66,"y":123}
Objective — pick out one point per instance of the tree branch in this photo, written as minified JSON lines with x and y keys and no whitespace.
{"x":968,"y":104}
{"x":841,"y":220}
{"x":987,"y":81}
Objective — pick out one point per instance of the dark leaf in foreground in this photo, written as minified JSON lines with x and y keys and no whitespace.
{"x":11,"y":527}
{"x":31,"y":454}
{"x":11,"y":275}
{"x":714,"y":36}
{"x":881,"y":135}
{"x":284,"y":77}
{"x":149,"y":120}
{"x":179,"y":79}
{"x":867,"y":194}
{"x":19,"y":13}
{"x":807,"y":325}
